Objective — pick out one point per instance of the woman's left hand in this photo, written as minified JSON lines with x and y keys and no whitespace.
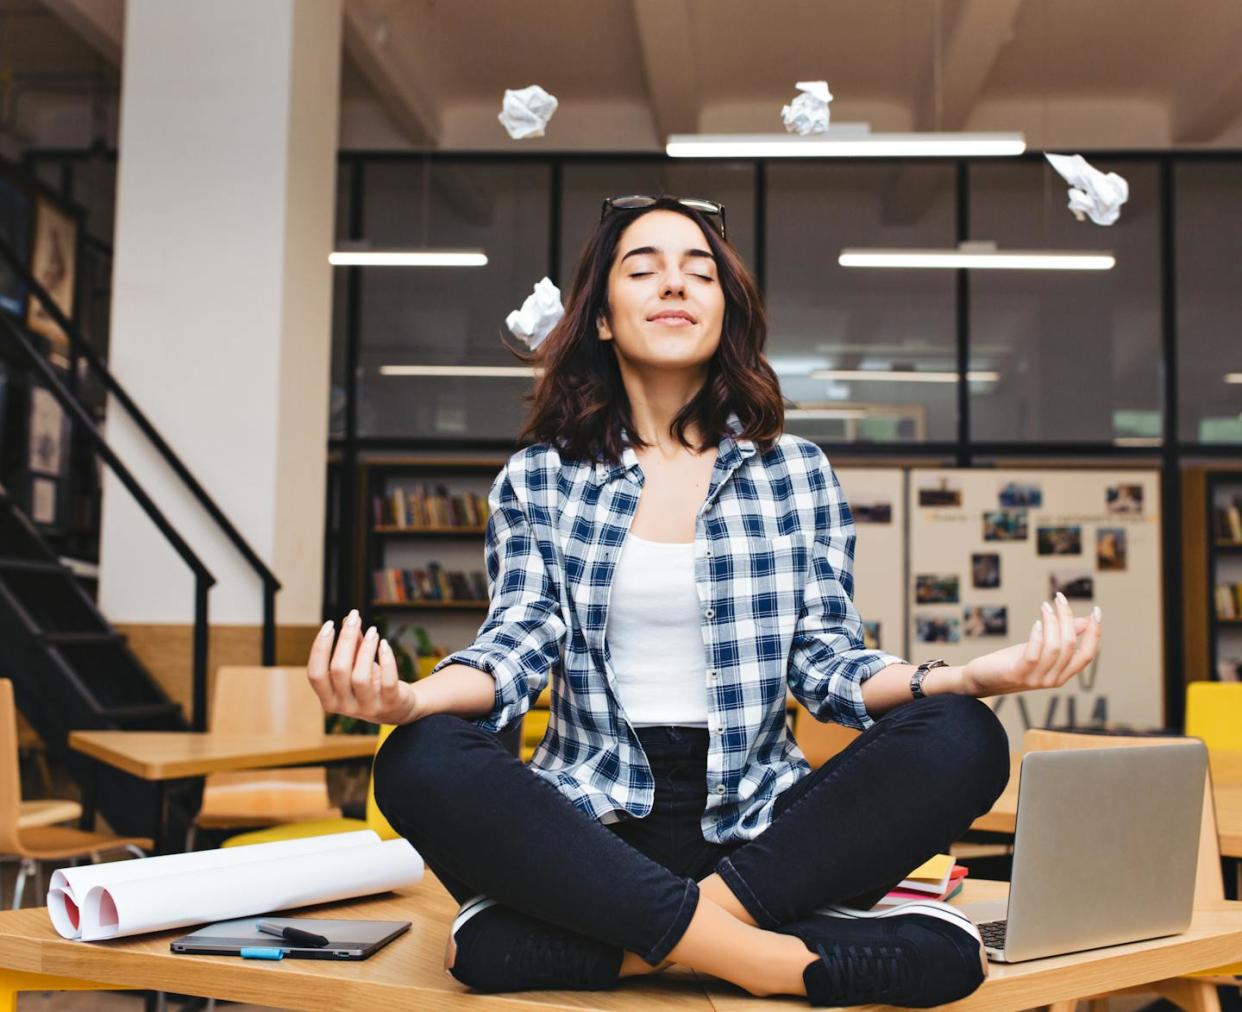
{"x":1058,"y":647}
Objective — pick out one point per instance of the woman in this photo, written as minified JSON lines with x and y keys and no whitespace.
{"x":678,"y":561}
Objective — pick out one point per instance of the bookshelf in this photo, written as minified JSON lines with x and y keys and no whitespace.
{"x":1224,"y":502}
{"x":424,"y":522}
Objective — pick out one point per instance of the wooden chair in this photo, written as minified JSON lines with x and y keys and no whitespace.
{"x":259,"y":700}
{"x":26,"y":834}
{"x":1196,"y":993}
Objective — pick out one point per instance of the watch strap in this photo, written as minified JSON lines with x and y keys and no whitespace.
{"x":916,"y":679}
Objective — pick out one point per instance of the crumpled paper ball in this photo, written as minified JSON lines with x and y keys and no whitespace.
{"x":808,"y":113}
{"x":527,"y":111}
{"x":541,"y":311}
{"x":1093,"y":194}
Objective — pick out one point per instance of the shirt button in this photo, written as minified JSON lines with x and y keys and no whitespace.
{"x":720,"y":788}
{"x":710,"y":613}
{"x":709,"y":552}
{"x":711,"y":675}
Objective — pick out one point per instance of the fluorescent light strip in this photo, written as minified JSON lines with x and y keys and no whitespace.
{"x":846,"y":413}
{"x":1233,"y":377}
{"x":1041,"y":260}
{"x":459,"y":370}
{"x":851,"y":145}
{"x":408,"y":258}
{"x":900,"y":376}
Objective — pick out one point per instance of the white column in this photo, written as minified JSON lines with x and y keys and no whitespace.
{"x":221,"y":311}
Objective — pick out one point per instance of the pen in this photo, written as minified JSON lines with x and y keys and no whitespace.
{"x":296,"y":935}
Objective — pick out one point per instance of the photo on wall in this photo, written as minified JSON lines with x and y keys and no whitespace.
{"x":872,"y":512}
{"x":985,"y":620}
{"x":940,"y":492}
{"x":1110,"y":549}
{"x":53,"y":264}
{"x":936,"y":629}
{"x":1004,"y":525}
{"x":1066,"y":540}
{"x":871,"y":636}
{"x":932,"y":588}
{"x":1024,"y":494}
{"x":985,"y":573}
{"x":1074,"y":584}
{"x":1124,"y":499}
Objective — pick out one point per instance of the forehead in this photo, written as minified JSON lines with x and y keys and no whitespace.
{"x":667,"y":230}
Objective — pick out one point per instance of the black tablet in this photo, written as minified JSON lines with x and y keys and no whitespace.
{"x":346,"y":939}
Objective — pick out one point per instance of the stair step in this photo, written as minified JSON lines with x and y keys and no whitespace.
{"x":141,"y":711}
{"x":78,"y":639}
{"x":10,"y":564}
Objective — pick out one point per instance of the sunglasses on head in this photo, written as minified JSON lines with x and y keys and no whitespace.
{"x":714,"y":212}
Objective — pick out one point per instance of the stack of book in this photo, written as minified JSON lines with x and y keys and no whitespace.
{"x":1229,"y":600}
{"x":431,"y":584}
{"x":1227,"y":520}
{"x":418,"y":508}
{"x":936,"y":879}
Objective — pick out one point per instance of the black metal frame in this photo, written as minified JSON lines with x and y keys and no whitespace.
{"x":963,"y":451}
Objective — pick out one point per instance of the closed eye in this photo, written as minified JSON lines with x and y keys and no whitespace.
{"x":643,"y":274}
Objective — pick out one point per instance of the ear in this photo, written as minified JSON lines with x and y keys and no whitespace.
{"x":602,"y":328}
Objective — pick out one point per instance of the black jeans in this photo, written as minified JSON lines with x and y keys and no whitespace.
{"x":848,"y":832}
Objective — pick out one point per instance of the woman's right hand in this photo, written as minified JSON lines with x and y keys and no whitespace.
{"x":359,"y":678}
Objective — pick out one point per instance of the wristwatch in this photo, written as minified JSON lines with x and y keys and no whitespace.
{"x":916,"y":679}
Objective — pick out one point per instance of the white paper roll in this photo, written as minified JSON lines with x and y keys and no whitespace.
{"x":69,"y":887}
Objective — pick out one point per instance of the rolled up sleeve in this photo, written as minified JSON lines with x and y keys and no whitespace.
{"x":827,"y":660}
{"x":522,"y":636}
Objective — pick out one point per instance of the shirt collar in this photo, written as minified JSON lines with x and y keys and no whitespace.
{"x":731,"y":451}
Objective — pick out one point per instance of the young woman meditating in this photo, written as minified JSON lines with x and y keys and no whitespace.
{"x":674,"y":562}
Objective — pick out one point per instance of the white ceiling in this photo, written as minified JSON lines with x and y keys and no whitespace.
{"x":1106,"y":73}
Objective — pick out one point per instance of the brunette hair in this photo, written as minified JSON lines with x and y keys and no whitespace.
{"x":579,"y":404}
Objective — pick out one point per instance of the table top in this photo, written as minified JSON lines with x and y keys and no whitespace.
{"x":168,"y":755}
{"x":409,"y":972}
{"x":1226,"y":792}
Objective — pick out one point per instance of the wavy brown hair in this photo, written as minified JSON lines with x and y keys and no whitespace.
{"x":579,"y":404}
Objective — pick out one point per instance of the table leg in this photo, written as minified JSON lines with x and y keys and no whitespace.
{"x":89,"y":799}
{"x":161,"y":818}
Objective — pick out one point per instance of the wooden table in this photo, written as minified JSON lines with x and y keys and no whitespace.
{"x":409,"y":972}
{"x":165,"y":756}
{"x":1226,"y":792}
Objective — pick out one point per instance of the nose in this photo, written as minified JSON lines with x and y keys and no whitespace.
{"x":674,"y":282}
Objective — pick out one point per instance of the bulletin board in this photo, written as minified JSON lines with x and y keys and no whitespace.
{"x":987,"y":547}
{"x":877,"y":499}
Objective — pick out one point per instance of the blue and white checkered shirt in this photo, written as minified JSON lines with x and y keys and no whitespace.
{"x":773,"y":563}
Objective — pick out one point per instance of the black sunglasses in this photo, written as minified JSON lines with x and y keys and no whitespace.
{"x":714,"y":211}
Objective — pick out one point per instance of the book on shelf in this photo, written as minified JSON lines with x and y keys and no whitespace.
{"x":1227,"y":521}
{"x":424,"y":507}
{"x":1228,"y":600}
{"x":434,"y":583}
{"x":1229,"y":669}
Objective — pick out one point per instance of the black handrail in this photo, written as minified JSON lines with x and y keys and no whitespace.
{"x":203,"y":579}
{"x":270,"y":584}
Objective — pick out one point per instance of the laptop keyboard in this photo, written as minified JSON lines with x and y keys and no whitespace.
{"x":993,"y":933}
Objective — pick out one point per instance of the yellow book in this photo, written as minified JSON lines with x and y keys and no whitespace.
{"x":933,"y":870}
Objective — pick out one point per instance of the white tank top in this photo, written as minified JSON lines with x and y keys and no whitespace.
{"x":654,"y":638}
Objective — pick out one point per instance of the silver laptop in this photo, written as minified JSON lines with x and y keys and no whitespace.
{"x":1105,"y":850}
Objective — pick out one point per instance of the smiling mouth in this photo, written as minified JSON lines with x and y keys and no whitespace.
{"x":672,"y":321}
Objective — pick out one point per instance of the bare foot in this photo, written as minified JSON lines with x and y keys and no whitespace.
{"x":450,"y":954}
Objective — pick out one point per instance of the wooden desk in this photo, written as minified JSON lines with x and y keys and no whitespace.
{"x":1226,"y":792}
{"x":172,"y":755}
{"x":164,"y":756}
{"x":409,"y":973}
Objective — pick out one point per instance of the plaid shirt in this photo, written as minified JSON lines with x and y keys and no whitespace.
{"x":773,"y":558}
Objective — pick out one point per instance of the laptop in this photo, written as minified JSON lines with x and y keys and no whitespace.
{"x":1105,"y":850}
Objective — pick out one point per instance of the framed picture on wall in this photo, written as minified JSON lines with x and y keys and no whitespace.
{"x":15,"y":231}
{"x":53,"y":263}
{"x":48,"y":432}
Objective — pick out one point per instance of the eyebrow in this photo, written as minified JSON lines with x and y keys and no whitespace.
{"x":656,"y":250}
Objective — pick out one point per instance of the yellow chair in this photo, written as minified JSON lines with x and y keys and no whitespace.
{"x":28,"y":836}
{"x":263,"y":700}
{"x":1214,"y":713}
{"x":323,"y":827}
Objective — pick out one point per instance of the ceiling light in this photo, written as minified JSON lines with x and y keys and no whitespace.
{"x":839,"y":142}
{"x":459,"y":370}
{"x":825,"y":413}
{"x":979,"y":255}
{"x":902,"y":376}
{"x":408,"y":258}
{"x":1233,"y":377}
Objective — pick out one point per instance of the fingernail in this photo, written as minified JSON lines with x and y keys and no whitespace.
{"x":327,"y":628}
{"x":1046,"y":607}
{"x":371,"y":633}
{"x":1099,"y":615}
{"x":385,"y":649}
{"x":353,"y":618}
{"x":1039,"y":628}
{"x":1061,"y":598}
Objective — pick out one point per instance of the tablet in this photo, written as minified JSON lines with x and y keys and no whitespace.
{"x":346,"y":939}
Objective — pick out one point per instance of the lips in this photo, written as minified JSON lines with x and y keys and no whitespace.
{"x":672,"y":316}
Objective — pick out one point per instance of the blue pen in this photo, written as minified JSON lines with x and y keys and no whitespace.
{"x":262,"y":953}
